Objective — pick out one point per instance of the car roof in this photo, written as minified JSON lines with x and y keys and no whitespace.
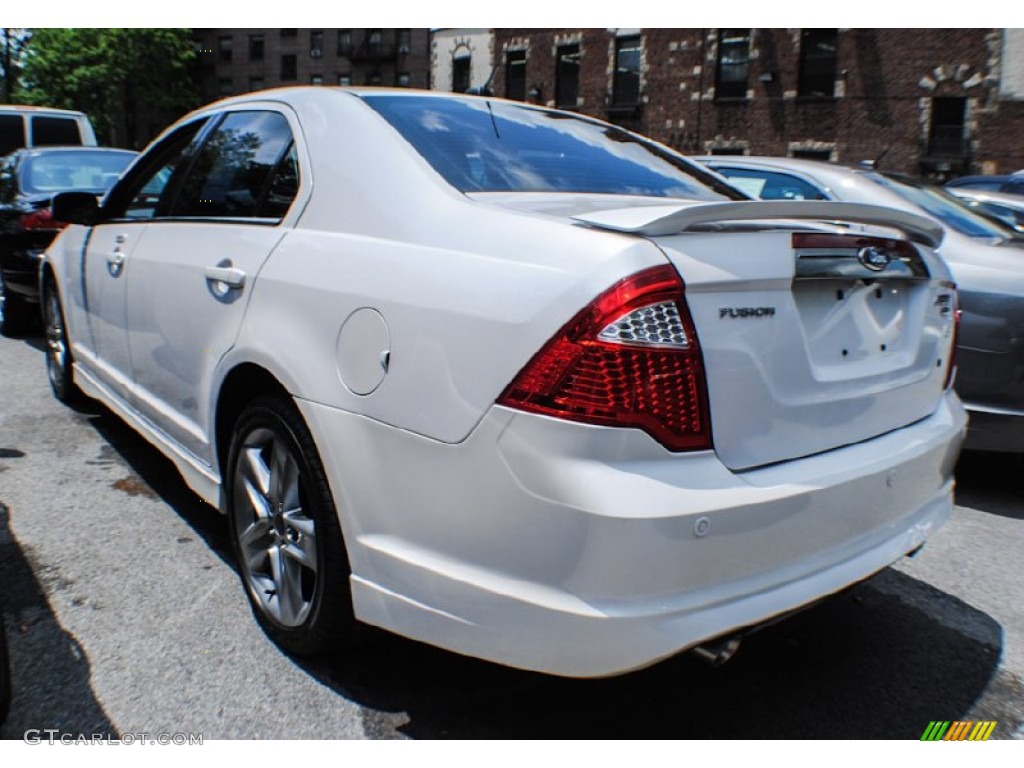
{"x":72,"y":148}
{"x":28,"y":108}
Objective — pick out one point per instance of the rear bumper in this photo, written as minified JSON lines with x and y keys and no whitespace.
{"x":20,"y":270}
{"x":535,"y":543}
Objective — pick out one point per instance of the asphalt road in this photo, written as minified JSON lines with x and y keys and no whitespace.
{"x":124,"y":615}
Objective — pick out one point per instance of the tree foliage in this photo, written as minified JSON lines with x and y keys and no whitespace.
{"x":12,"y":46}
{"x":116,"y":76}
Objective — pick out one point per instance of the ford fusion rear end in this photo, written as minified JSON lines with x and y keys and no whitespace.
{"x":578,"y":405}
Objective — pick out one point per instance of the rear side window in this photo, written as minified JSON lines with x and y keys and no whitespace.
{"x":771,"y":186}
{"x":55,"y":132}
{"x":242,"y":170}
{"x":12,"y":133}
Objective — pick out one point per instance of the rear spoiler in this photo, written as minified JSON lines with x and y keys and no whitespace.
{"x":657,"y":220}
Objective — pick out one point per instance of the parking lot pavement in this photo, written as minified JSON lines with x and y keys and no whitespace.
{"x":124,"y":615}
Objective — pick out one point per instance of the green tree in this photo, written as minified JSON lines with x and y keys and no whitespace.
{"x":116,"y":76}
{"x":12,"y":45}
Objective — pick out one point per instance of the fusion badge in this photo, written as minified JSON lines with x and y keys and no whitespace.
{"x":745,"y":312}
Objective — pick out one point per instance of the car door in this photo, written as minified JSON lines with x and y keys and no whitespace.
{"x":192,"y":273}
{"x":109,"y":246}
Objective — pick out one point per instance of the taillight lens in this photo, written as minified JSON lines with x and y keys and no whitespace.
{"x":41,"y":220}
{"x":628,"y":359}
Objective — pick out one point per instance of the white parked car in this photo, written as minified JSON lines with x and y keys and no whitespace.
{"x":510,"y":381}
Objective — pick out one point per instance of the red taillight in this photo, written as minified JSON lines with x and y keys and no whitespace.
{"x":41,"y":220}
{"x":629,"y":359}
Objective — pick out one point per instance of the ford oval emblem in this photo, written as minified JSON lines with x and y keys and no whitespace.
{"x":875,"y":259}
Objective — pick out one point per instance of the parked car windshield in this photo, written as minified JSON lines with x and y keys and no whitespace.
{"x":947,"y":208}
{"x":482,"y":145}
{"x":84,"y":170}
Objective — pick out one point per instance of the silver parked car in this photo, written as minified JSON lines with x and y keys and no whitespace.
{"x":987,"y":260}
{"x":1007,"y":208}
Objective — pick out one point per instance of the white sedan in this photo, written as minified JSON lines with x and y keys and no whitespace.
{"x":507,"y":380}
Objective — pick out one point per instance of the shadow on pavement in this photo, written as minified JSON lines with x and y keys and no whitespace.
{"x":867,"y":664}
{"x":991,"y":482}
{"x":49,"y":669}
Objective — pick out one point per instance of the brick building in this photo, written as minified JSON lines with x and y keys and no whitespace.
{"x":240,"y":60}
{"x":937,"y":102}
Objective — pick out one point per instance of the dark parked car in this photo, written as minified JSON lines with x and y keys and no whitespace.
{"x":1009,"y":184}
{"x":29,"y":178}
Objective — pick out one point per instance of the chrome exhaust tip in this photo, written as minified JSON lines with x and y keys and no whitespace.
{"x":717,"y":652}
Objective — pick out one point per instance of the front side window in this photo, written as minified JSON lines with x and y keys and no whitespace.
{"x":567,"y":75}
{"x":515,"y":75}
{"x":147,"y":191}
{"x":55,"y":132}
{"x":234,"y":166}
{"x":818,"y":56}
{"x":626,"y":81}
{"x":479,"y":145}
{"x":733,"y":63}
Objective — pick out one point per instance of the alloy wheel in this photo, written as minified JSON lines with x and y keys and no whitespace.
{"x":276,"y":539}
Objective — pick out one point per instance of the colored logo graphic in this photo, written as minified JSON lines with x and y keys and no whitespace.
{"x":958,"y":730}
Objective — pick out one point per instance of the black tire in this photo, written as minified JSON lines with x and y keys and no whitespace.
{"x":59,"y":361}
{"x":15,"y":313}
{"x":277,"y":497}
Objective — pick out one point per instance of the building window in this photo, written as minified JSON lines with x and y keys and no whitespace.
{"x":567,"y":75}
{"x":626,"y":82}
{"x":727,"y":151}
{"x":225,"y":86}
{"x":733,"y":63}
{"x":946,"y":134}
{"x":224,"y":48}
{"x":316,"y":79}
{"x":818,"y":48}
{"x":373,"y":78}
{"x":256,"y":48}
{"x":460,"y":74}
{"x":289,"y":67}
{"x":289,"y":32}
{"x":257,"y":84}
{"x":345,"y":42}
{"x":404,"y":41}
{"x":824,"y":155}
{"x":345,"y":79}
{"x":374,"y":40}
{"x":402,"y":81}
{"x":316,"y":43}
{"x":515,"y":75}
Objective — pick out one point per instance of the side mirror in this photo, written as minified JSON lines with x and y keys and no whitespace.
{"x":75,"y":208}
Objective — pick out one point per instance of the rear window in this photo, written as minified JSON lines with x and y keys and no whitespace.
{"x":12,"y":133}
{"x":492,"y":146}
{"x":62,"y":171}
{"x":55,"y":132}
{"x":948,"y":209}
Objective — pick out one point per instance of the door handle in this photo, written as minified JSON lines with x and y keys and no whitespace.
{"x":223,"y":279}
{"x":115,"y":263}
